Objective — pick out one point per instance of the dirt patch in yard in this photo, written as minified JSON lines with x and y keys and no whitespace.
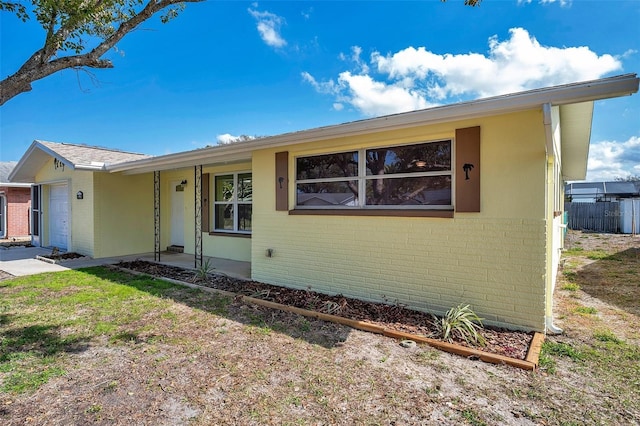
{"x":604,"y":270}
{"x":191,"y":357}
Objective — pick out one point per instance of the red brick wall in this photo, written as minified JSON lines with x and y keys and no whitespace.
{"x":18,"y":207}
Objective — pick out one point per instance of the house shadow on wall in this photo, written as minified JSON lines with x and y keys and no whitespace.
{"x":614,"y":279}
{"x":262,"y":320}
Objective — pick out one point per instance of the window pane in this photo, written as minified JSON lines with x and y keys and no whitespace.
{"x":35,"y":199}
{"x":224,"y":188}
{"x":245,"y":187}
{"x":224,"y":216}
{"x":426,"y":157}
{"x":419,"y":191}
{"x":244,"y":217}
{"x":327,"y":194}
{"x":327,"y":166}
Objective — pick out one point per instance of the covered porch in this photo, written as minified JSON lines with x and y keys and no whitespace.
{"x":22,"y":261}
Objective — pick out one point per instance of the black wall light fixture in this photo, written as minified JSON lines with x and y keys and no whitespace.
{"x":79,"y":195}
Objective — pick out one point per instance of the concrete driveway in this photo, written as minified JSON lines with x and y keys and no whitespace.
{"x":22,"y":261}
{"x":19,"y":261}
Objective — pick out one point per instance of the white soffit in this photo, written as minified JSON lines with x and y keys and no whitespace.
{"x":575,"y":130}
{"x":31,"y":162}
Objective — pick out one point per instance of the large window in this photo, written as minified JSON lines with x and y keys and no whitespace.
{"x":408,"y":176}
{"x":233,"y":202}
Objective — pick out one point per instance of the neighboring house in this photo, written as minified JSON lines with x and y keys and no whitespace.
{"x":603,"y":206}
{"x":455,"y":204}
{"x":15,"y":202}
{"x":589,"y":192}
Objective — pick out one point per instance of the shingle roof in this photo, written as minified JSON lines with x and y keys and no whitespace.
{"x":5,"y":169}
{"x":85,"y":155}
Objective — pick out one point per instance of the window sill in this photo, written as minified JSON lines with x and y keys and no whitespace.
{"x":374,"y":212}
{"x":230,"y":234}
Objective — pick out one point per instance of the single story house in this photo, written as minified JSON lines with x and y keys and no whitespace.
{"x":590,"y":192}
{"x":455,"y":204}
{"x":603,"y":206}
{"x":15,"y":202}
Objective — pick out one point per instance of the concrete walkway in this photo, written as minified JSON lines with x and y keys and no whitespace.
{"x":19,"y":261}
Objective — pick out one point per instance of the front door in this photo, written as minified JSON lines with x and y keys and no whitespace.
{"x":177,"y":214}
{"x":58,"y":216}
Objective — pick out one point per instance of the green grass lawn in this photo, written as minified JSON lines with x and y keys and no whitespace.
{"x":102,"y":346}
{"x":44,"y":317}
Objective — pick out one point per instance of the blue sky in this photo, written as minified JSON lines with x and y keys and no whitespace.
{"x":224,"y":69}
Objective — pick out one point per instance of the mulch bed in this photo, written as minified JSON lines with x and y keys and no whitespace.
{"x":58,"y":257}
{"x":513,"y":344}
{"x":62,"y":256}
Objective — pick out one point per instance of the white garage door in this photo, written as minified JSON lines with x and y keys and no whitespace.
{"x":58,"y":216}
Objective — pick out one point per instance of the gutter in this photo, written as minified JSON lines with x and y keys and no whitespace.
{"x":550,"y":151}
{"x":15,"y":185}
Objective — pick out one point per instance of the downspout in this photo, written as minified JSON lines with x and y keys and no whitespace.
{"x":549,"y":175}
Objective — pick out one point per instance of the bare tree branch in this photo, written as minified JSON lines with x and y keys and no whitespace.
{"x":41,"y":64}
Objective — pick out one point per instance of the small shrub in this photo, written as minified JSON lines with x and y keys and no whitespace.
{"x":204,"y":270}
{"x":460,"y":322}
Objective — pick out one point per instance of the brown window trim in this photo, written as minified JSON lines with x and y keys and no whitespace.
{"x":230,"y":234}
{"x":374,"y":212}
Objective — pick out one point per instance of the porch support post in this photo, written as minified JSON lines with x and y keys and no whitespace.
{"x":197,"y":175}
{"x":156,"y":216}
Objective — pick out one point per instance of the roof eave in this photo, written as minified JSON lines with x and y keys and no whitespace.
{"x":559,"y":95}
{"x":576,"y":122}
{"x":18,"y":173}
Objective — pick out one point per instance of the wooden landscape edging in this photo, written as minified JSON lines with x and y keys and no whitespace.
{"x":529,"y":363}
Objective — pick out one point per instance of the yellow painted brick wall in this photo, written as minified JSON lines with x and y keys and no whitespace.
{"x":494,"y":260}
{"x":82,"y":218}
{"x":123,"y":214}
{"x":226,"y":247}
{"x":79,"y":211}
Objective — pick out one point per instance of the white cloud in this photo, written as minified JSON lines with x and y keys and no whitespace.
{"x":563,"y":3}
{"x":611,"y":159}
{"x":376,"y":98}
{"x":517,"y":64}
{"x":417,"y":78}
{"x":325,"y":87}
{"x":268,"y":25}
{"x":227,"y":138}
{"x":360,"y":65}
{"x":306,"y":14}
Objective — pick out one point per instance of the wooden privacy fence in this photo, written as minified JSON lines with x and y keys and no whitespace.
{"x":596,"y":217}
